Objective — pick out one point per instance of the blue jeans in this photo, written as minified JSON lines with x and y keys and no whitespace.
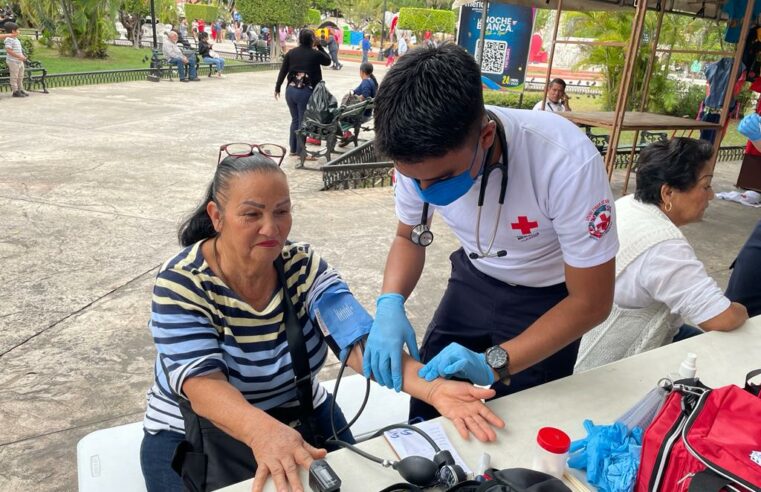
{"x":364,"y":56}
{"x":157,"y":450}
{"x":218,"y":62}
{"x":183,"y":69}
{"x":297,"y":100}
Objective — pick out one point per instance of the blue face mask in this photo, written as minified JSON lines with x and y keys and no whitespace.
{"x":448,"y":190}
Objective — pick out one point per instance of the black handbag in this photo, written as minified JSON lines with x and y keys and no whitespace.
{"x":210,"y":459}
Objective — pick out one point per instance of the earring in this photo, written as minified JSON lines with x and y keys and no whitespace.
{"x":668,"y":207}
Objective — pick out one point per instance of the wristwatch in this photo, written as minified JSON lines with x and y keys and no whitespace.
{"x":499,"y":360}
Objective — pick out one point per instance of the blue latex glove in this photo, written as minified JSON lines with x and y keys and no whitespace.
{"x":750,"y":126}
{"x":609,"y":454}
{"x":391,"y":330}
{"x":457,"y":361}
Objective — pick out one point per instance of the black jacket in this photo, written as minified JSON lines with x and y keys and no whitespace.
{"x":303,"y":59}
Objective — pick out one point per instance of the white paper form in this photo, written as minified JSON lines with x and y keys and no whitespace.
{"x":409,"y":443}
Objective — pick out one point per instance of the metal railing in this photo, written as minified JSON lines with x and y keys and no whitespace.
{"x":363,"y":168}
{"x":131,"y":75}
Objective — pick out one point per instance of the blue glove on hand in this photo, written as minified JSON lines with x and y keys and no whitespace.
{"x":750,"y":126}
{"x":457,"y":361}
{"x":391,"y":330}
{"x":610,"y":454}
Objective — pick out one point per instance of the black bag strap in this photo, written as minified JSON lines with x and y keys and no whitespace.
{"x":708,"y":481}
{"x":296,"y":346}
{"x":754,"y":389}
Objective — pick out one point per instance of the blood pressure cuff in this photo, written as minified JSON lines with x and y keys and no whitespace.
{"x":341,"y":318}
{"x":508,"y":480}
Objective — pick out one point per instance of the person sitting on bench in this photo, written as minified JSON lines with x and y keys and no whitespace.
{"x":186,"y":65}
{"x":208,"y":55}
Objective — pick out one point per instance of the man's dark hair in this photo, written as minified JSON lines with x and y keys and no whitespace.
{"x":10,"y":27}
{"x":430,"y":103}
{"x":560,"y":82}
{"x":676,"y":162}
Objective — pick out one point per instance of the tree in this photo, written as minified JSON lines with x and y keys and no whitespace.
{"x":131,"y":15}
{"x":274,"y":13}
{"x":82,"y":25}
{"x":677,"y":31}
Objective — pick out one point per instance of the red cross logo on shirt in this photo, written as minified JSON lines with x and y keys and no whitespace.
{"x":524,"y":225}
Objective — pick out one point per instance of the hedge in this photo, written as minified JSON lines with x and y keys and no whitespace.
{"x":433,"y":20}
{"x":273,"y":12}
{"x":511,"y":99}
{"x":209,"y":13}
{"x":313,"y":17}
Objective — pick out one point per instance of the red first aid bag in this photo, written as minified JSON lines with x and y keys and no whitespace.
{"x":704,"y":440}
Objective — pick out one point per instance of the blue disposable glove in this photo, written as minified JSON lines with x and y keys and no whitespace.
{"x":610,"y":455}
{"x":457,"y":361}
{"x":750,"y":126}
{"x":391,"y":330}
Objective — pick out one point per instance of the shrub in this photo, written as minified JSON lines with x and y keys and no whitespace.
{"x":512,"y":99}
{"x":433,"y":20}
{"x":28,"y":46}
{"x":208,"y":13}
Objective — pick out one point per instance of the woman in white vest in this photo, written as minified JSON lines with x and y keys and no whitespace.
{"x":660,"y":283}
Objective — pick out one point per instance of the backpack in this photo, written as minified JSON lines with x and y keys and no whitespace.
{"x":704,"y":440}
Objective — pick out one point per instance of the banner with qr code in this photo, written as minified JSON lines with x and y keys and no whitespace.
{"x":506,"y":43}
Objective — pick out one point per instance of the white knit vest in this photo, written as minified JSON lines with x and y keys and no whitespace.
{"x":630,"y":331}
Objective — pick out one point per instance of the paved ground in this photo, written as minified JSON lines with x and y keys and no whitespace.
{"x":93,"y":183}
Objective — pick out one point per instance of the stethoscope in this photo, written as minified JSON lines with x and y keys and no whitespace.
{"x":422,"y":235}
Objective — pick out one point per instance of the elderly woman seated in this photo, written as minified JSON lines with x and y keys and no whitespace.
{"x":660,"y":282}
{"x":220,"y":323}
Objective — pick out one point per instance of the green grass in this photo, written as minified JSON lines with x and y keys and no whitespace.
{"x":589,"y":103}
{"x":119,"y":57}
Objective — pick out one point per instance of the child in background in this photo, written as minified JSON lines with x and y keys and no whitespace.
{"x":390,"y":54}
{"x":15,"y":60}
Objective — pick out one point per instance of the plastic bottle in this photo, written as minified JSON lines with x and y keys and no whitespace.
{"x":551,"y":451}
{"x":687,"y":369}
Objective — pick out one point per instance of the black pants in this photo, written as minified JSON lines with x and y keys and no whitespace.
{"x":743,"y":284}
{"x":478,"y":311}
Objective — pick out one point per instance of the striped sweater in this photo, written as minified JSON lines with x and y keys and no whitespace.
{"x":200,"y":326}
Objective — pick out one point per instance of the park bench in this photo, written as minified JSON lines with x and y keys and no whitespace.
{"x":34,"y":74}
{"x":242,"y":51}
{"x":165,"y":65}
{"x":261,"y":51}
{"x":345,"y":118}
{"x":622,"y":155}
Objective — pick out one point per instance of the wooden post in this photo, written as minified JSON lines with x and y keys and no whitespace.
{"x":626,"y":77}
{"x":645,"y":88}
{"x":732,"y":79}
{"x":558,"y":12}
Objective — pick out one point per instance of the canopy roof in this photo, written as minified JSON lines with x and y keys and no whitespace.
{"x":710,"y":9}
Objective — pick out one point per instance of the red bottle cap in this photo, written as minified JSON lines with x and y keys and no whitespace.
{"x":553,"y":440}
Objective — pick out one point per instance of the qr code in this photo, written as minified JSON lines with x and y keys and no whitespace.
{"x":495,"y":56}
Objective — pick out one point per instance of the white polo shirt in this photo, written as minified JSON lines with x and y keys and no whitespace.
{"x":558,"y":207}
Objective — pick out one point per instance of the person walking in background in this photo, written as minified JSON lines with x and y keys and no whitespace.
{"x":390,"y":54}
{"x":302,"y":68}
{"x":333,"y":50}
{"x":403,"y":46}
{"x":366,"y":47}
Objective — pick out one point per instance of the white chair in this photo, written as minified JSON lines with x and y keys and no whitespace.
{"x":109,"y":460}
